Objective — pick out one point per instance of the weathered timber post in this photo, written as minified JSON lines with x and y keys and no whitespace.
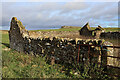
{"x":104,"y":57}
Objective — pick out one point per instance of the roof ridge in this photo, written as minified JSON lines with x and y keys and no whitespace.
{"x":87,"y":25}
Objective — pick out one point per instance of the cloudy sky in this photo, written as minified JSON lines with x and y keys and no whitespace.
{"x":36,"y":15}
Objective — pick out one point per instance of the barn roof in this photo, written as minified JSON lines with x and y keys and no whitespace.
{"x":87,"y":26}
{"x":99,"y":28}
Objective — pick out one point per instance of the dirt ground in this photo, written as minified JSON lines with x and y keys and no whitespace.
{"x":59,"y":34}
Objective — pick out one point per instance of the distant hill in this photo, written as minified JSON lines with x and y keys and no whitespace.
{"x":69,"y":26}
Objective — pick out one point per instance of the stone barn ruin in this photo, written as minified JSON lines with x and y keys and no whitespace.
{"x":63,"y":50}
{"x":86,"y":31}
{"x":97,"y":32}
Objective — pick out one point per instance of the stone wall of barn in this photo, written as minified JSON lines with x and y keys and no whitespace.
{"x":85,"y":32}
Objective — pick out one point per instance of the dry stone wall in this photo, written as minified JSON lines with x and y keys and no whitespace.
{"x":110,"y":35}
{"x":62,"y":50}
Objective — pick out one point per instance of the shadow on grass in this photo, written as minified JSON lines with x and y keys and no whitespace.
{"x":6,"y":44}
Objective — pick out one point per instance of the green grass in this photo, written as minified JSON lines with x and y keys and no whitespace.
{"x":112,"y":29}
{"x":21,"y":65}
{"x":5,"y":40}
{"x":61,"y":29}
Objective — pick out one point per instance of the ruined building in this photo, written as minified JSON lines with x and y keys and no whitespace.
{"x":60,"y":50}
{"x":86,"y":31}
{"x":97,"y":32}
{"x":17,"y":33}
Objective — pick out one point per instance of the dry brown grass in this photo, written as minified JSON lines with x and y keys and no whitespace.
{"x":4,"y":31}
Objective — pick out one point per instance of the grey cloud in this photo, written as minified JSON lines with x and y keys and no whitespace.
{"x":73,"y":6}
{"x":101,"y":12}
{"x":57,"y":14}
{"x":37,"y":14}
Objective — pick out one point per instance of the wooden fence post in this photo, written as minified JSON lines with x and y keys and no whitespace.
{"x":104,"y":57}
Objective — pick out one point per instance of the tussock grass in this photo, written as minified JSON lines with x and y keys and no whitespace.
{"x":20,"y":65}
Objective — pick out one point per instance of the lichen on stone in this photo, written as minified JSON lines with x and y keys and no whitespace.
{"x":20,"y":24}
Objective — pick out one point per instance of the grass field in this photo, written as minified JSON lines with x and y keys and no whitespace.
{"x":76,"y":29}
{"x":21,"y":65}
